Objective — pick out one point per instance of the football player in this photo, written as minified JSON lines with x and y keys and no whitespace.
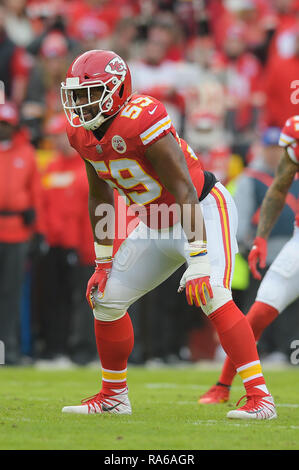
{"x":280,"y":286}
{"x":128,"y":143}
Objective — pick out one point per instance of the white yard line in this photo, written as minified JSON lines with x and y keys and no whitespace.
{"x":279,"y":405}
{"x":204,"y":387}
{"x":214,"y":422}
{"x":288,"y":405}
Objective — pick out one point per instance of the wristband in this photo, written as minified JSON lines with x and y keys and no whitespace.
{"x":197,"y":248}
{"x":103,"y":251}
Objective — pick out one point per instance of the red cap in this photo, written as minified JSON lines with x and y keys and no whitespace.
{"x":56,"y":125}
{"x":9,"y":113}
{"x":236,"y":31}
{"x":91,"y":27}
{"x":54,"y":45}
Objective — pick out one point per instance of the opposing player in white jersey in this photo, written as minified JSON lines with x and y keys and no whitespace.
{"x":280,"y":285}
{"x":128,"y":143}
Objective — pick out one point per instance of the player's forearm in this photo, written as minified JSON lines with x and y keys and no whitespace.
{"x":270,"y":211}
{"x":101,"y":207}
{"x":276,"y":195}
{"x":101,"y":214}
{"x":170,"y":164}
{"x":191,"y":215}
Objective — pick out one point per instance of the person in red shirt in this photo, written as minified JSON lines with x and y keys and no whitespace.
{"x":20,"y":218}
{"x":159,"y":72}
{"x":65,"y":196}
{"x":286,"y":14}
{"x":42,"y":94}
{"x":107,"y":14}
{"x":15,"y":65}
{"x":242,"y":74}
{"x":281,"y":88}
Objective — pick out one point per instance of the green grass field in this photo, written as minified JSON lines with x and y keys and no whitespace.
{"x":165,"y":412}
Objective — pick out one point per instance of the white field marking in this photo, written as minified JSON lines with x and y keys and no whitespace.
{"x":212,"y":365}
{"x":214,"y":422}
{"x":185,"y":386}
{"x":281,"y":405}
{"x":202,"y":365}
{"x":13,"y":418}
{"x":185,"y":402}
{"x":288,"y":405}
{"x":171,"y":385}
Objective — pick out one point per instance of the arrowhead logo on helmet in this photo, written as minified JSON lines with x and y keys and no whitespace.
{"x":116,"y":66}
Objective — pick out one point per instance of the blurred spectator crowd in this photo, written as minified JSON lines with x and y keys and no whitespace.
{"x":228,"y":74}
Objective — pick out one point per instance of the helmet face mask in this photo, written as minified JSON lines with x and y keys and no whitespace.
{"x":103,"y":105}
{"x":92,"y":71}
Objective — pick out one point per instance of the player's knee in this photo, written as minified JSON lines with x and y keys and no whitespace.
{"x":221,"y":296}
{"x":115,"y":302}
{"x":104,"y":310}
{"x":273,"y":291}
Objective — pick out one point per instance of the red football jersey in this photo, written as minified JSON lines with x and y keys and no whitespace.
{"x":119,"y":157}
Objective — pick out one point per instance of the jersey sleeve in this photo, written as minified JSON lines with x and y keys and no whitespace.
{"x":154,"y":124}
{"x":289,"y":138}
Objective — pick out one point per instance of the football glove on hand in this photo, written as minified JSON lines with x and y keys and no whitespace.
{"x":196,"y":278}
{"x":99,"y":279}
{"x":258,"y":254}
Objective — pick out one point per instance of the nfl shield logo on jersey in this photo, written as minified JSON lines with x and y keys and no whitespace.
{"x":118,"y":144}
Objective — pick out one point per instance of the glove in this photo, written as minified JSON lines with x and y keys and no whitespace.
{"x":98,"y":280}
{"x":196,"y":279}
{"x":257,"y":254}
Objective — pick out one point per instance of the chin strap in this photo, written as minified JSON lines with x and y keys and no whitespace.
{"x":95,"y":123}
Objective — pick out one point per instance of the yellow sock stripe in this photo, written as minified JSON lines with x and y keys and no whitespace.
{"x":250,"y":372}
{"x":114,"y":376}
